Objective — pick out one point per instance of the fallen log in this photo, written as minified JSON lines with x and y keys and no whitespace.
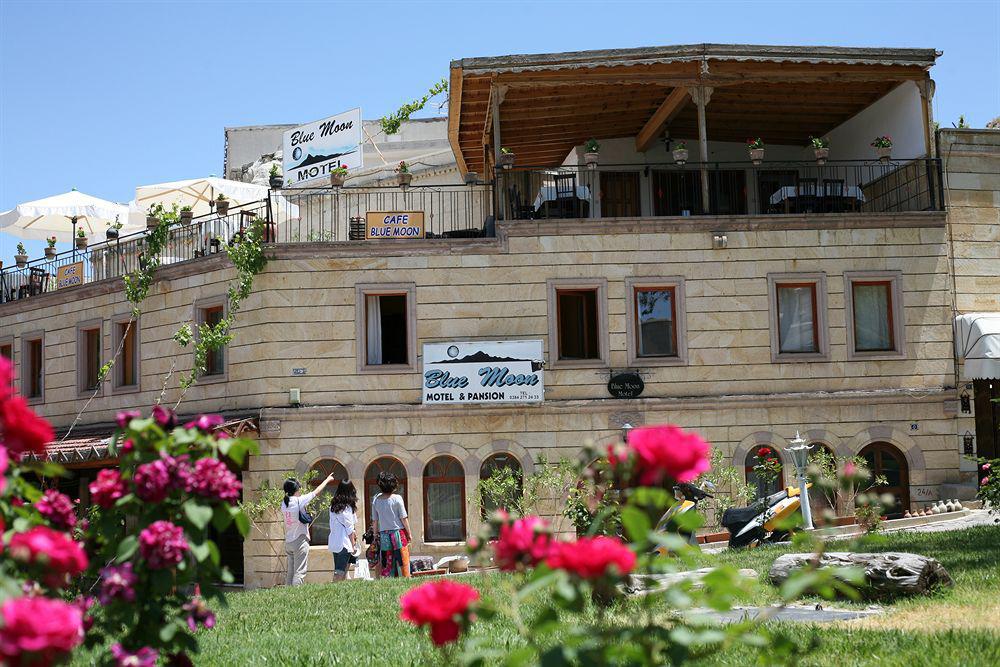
{"x":887,"y":574}
{"x":642,"y":584}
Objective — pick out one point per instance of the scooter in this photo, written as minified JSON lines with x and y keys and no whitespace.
{"x":761,"y":522}
{"x":687,"y":496}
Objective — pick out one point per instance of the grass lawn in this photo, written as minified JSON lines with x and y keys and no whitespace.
{"x":356,"y":623}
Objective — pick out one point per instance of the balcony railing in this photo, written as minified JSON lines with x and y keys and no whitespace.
{"x":734,"y":188}
{"x":339,"y":214}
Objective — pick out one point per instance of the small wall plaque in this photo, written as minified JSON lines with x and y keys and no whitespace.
{"x":298,"y":371}
{"x":270,"y":425}
{"x":626,"y":385}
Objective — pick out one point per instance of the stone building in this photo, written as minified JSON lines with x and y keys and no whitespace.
{"x":753,"y":301}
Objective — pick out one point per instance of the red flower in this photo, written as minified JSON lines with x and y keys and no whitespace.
{"x":38,"y":630}
{"x":107,"y":488}
{"x":592,"y":557}
{"x":3,"y":468}
{"x":57,"y":508}
{"x":56,"y":552}
{"x":152,"y":481}
{"x":23,"y":430}
{"x":206,"y":423}
{"x":663,"y":453}
{"x":212,"y":479}
{"x":162,"y":544}
{"x":125,"y":417}
{"x":763,"y":451}
{"x":442,"y":605}
{"x":164,"y":417}
{"x":523,"y":543}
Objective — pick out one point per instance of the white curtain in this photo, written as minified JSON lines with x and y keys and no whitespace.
{"x":373,"y":328}
{"x":871,"y":318}
{"x":796,"y":329}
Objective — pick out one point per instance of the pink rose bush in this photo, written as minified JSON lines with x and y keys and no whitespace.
{"x":38,"y":630}
{"x":658,"y":455}
{"x":522,"y":543}
{"x":57,"y":508}
{"x":162,"y":545}
{"x":107,"y":489}
{"x":592,"y":557}
{"x":443,"y":605}
{"x":52,"y":553}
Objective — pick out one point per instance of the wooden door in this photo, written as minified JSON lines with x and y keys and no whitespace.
{"x":884,"y":459}
{"x":986,"y":394}
{"x":619,"y":194}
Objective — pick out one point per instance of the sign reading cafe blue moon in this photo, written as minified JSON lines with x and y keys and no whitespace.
{"x":483,"y":372}
{"x":311,"y":151}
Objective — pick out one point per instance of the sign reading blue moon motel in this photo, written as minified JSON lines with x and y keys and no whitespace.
{"x":310,"y":152}
{"x":483,"y":372}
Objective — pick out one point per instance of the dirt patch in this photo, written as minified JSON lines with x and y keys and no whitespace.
{"x":935,"y":619}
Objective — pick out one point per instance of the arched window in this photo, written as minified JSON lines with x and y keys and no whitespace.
{"x":507,"y":491}
{"x":320,"y":530}
{"x":886,"y":460}
{"x":444,"y":500}
{"x":764,"y":470}
{"x":384,"y":464}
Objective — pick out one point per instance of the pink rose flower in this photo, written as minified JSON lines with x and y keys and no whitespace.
{"x":23,"y":430}
{"x":164,"y":417}
{"x":118,"y":583}
{"x":144,"y":657}
{"x":199,"y":615}
{"x":57,"y":508}
{"x":850,"y":469}
{"x":442,"y":605}
{"x":3,"y":468}
{"x":592,"y":557}
{"x":125,"y":417}
{"x":985,"y":481}
{"x":54,"y":551}
{"x":523,"y":543}
{"x":152,"y":481}
{"x":986,"y":466}
{"x":213,"y":479}
{"x":162,"y":545}
{"x":38,"y":630}
{"x":206,"y":423}
{"x":107,"y":488}
{"x":664,"y":453}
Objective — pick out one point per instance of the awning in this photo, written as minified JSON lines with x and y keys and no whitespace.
{"x":76,"y":451}
{"x":977,"y":342}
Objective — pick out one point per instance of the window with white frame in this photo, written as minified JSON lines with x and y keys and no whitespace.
{"x":386,"y":327}
{"x":873,"y":301}
{"x":798,"y":316}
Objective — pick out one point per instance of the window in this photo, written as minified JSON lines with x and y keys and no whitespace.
{"x":88,"y":355}
{"x":33,"y":367}
{"x":655,"y":321}
{"x":578,"y":323}
{"x":215,"y":359}
{"x":320,"y":531}
{"x":444,"y":500}
{"x":875,"y":315}
{"x":798,"y":316}
{"x":764,"y":470}
{"x":386,"y":327}
{"x":509,"y":486}
{"x":383,"y":464}
{"x":126,"y":337}
{"x":7,"y":352}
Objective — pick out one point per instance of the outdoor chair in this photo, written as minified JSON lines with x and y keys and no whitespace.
{"x":806,"y":200}
{"x":835,"y":195}
{"x":566,"y":200}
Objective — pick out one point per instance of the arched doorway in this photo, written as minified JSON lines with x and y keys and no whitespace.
{"x":444,"y":500}
{"x":886,"y":460}
{"x":506,"y":494}
{"x":771,"y":476}
{"x":383,"y":464}
{"x":320,"y":531}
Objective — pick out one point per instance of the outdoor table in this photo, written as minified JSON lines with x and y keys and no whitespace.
{"x":547,"y":193}
{"x":784,"y":194}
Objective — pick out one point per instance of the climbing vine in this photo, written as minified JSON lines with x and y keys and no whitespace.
{"x":391,"y":122}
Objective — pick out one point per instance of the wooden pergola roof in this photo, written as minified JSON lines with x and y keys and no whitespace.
{"x":549,"y":103}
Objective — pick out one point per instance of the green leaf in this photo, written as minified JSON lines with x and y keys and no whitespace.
{"x":199,"y":515}
{"x":214,"y":552}
{"x":637,"y":524}
{"x":242,"y":523}
{"x":127,"y":548}
{"x":167,"y":632}
{"x":200,"y":551}
{"x":227,"y":576}
{"x":222,"y":516}
{"x":521,"y":657}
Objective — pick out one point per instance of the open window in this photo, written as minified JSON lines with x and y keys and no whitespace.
{"x":210,"y":313}
{"x":89,"y":345}
{"x":33,"y":367}
{"x":126,"y":339}
{"x":386,"y":327}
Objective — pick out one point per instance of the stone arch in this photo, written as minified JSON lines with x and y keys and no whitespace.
{"x":416,"y":466}
{"x":828,"y":438}
{"x":502,"y":447}
{"x":355,"y":468}
{"x":756,"y":439}
{"x":897,"y":437}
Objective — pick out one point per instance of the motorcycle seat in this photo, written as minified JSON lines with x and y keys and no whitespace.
{"x":739,"y":516}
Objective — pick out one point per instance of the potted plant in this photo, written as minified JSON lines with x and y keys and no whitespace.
{"x":681,"y":153}
{"x":81,"y":239}
{"x":50,"y":249}
{"x":338,"y":176}
{"x":591,"y":153}
{"x":221,"y":204}
{"x":471,"y":177}
{"x":756,"y":148}
{"x":506,"y":158}
{"x":111,"y":233}
{"x":153,"y":216}
{"x":883,"y":147}
{"x":405,"y":177}
{"x":821,"y":147}
{"x":274,"y":177}
{"x":21,"y":258}
{"x":187,"y":215}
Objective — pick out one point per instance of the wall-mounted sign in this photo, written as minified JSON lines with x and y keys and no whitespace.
{"x":626,"y":385}
{"x":311,"y":151}
{"x":394,"y":225}
{"x":69,"y":275}
{"x":483,"y":372}
{"x":298,"y":371}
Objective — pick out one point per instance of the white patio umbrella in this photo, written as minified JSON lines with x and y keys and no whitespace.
{"x":61,"y":215}
{"x":196,"y":193}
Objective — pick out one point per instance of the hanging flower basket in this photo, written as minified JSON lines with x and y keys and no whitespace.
{"x":50,"y":252}
{"x":507,"y":160}
{"x":884,"y":153}
{"x":756,"y":155}
{"x":81,"y":242}
{"x":405,"y":178}
{"x":591,"y":159}
{"x":680,"y":155}
{"x":152,"y":221}
{"x":821,"y":155}
{"x":222,"y":206}
{"x":337,"y":180}
{"x":21,"y":261}
{"x":187,"y":216}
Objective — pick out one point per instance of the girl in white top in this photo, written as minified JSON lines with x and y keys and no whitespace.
{"x":343,"y":518}
{"x":296,"y":532}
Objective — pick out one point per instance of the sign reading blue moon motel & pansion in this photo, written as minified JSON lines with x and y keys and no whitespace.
{"x":310,"y":152}
{"x":483,"y":372}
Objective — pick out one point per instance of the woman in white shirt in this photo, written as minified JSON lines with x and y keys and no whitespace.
{"x":343,"y":518}
{"x":297,"y":531}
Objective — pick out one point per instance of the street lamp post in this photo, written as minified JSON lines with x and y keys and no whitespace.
{"x":799,"y":451}
{"x":626,"y":429}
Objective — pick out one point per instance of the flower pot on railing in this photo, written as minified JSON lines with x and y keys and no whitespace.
{"x":405,"y":178}
{"x":21,"y":261}
{"x":275,"y":182}
{"x":507,"y":160}
{"x":821,"y":155}
{"x":681,"y":156}
{"x":81,"y":242}
{"x":111,"y":234}
{"x":756,"y":155}
{"x":152,"y":221}
{"x":50,"y":252}
{"x":471,"y":177}
{"x":884,"y":153}
{"x":337,"y":180}
{"x":187,"y":217}
{"x":591,"y":159}
{"x":222,"y":206}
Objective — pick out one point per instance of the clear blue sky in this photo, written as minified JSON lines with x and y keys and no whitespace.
{"x":104,"y":96}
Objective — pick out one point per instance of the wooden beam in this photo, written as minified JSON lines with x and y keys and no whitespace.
{"x":669,"y":108}
{"x":454,"y":118}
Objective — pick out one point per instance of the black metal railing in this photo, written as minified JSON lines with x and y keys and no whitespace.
{"x":339,"y":214}
{"x":111,"y":258}
{"x":733,"y":188}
